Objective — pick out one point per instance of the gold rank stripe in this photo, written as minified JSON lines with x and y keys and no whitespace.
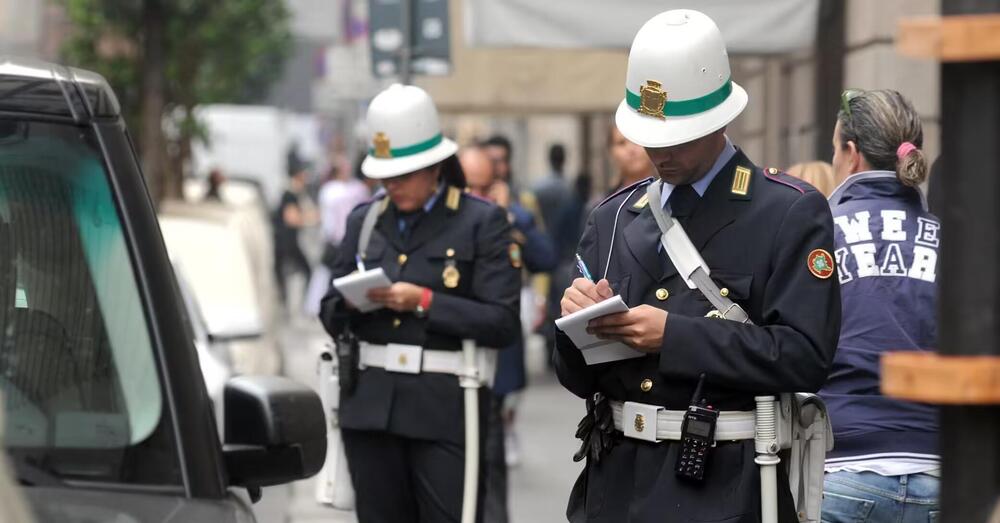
{"x":741,"y":181}
{"x":454,"y":195}
{"x":641,"y":202}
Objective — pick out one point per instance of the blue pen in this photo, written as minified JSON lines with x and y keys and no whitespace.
{"x":583,"y":268}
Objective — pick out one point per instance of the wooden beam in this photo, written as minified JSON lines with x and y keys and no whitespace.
{"x":933,"y":378}
{"x":958,"y":38}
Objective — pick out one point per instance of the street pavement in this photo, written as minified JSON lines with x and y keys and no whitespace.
{"x":539,"y":487}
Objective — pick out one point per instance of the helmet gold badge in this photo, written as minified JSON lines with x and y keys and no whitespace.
{"x":652,"y":99}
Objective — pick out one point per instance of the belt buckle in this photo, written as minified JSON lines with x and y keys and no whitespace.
{"x":736,"y":306}
{"x":403,"y":358}
{"x":639,"y":421}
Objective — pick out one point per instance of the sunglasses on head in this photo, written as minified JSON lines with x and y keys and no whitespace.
{"x":846,"y":97}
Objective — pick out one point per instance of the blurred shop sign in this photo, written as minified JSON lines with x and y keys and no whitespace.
{"x":430,"y":48}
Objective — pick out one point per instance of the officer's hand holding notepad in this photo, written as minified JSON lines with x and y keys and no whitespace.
{"x":594,"y":349}
{"x":355,"y":286}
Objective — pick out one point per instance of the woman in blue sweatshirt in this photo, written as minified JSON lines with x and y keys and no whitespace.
{"x":884,"y":465}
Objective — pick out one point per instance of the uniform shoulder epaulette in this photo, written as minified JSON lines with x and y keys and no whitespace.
{"x":787,"y":180}
{"x":625,"y":189}
{"x":475,"y":197}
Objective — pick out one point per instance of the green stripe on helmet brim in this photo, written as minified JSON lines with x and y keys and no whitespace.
{"x":686,"y":107}
{"x":412,"y":149}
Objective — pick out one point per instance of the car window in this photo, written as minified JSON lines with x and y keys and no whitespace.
{"x":77,"y":369}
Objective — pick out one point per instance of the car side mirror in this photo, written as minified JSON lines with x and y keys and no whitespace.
{"x":275,"y":432}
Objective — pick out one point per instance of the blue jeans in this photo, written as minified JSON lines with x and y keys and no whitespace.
{"x":866,"y":497}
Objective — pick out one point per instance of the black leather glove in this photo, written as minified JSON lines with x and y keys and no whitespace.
{"x":347,"y":361}
{"x":596,"y":430}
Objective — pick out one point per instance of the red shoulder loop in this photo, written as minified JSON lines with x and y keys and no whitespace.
{"x":778,"y":177}
{"x":625,"y":189}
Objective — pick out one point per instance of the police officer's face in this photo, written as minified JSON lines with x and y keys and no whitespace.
{"x":411,"y":191}
{"x":686,"y":163}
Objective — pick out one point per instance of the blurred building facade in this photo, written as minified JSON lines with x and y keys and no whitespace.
{"x":538,"y":97}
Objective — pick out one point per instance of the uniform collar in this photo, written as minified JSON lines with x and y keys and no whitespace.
{"x":874,"y":184}
{"x":728,"y":151}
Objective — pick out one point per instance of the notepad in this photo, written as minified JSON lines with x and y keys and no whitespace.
{"x":594,"y":349}
{"x":354,"y":287}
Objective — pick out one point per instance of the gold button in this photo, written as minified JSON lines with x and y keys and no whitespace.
{"x":723,"y":292}
{"x":662,"y":294}
{"x":646,"y":385}
{"x":396,"y":322}
{"x":401,"y":259}
{"x":402,"y":359}
{"x":450,"y":252}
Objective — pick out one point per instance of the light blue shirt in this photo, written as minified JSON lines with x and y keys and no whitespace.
{"x":427,"y":206}
{"x":728,"y":151}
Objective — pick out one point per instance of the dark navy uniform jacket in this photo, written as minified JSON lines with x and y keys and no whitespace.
{"x":758,"y":246}
{"x":459,"y":229}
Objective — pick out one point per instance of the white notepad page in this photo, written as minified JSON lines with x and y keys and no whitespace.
{"x":594,"y":349}
{"x":355,"y":286}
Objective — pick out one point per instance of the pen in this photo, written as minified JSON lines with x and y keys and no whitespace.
{"x":583,"y":268}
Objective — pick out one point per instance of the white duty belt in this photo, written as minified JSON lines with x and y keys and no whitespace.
{"x":414,"y":359}
{"x":654,"y":423}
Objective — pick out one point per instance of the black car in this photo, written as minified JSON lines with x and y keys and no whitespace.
{"x":107,"y":415}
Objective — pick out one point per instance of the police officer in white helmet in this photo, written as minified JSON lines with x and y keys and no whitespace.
{"x":747,"y":307}
{"x":455,"y":270}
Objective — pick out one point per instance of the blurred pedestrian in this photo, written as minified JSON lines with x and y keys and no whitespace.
{"x":757,"y":313}
{"x":338,"y":196}
{"x":884,"y":463}
{"x":818,"y":174}
{"x":455,"y":273}
{"x":502,"y":444}
{"x":215,"y":181}
{"x":553,"y":191}
{"x":630,"y":160}
{"x":289,"y":218}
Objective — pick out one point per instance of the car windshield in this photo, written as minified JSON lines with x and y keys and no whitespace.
{"x":78,"y":376}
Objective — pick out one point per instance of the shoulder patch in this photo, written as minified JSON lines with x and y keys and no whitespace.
{"x":628,"y":188}
{"x":787,"y":180}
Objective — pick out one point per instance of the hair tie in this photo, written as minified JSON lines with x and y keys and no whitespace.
{"x":905,"y":149}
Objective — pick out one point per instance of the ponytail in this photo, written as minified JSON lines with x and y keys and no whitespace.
{"x":911,"y":168}
{"x":888,"y":133}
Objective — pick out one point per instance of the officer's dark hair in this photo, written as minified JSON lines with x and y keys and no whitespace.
{"x":878,"y":122}
{"x":452,"y":173}
{"x":499,"y":140}
{"x":557,"y":157}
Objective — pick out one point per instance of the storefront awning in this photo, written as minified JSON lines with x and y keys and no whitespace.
{"x":748,"y":26}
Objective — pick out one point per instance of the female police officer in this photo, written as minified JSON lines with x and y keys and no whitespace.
{"x":456,"y":277}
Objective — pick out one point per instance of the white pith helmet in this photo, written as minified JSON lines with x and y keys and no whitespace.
{"x":678,"y":86}
{"x":404,"y":133}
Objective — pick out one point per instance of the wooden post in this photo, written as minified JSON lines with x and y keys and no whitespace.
{"x":969,"y":276}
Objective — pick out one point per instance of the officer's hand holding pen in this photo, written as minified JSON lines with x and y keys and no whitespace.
{"x":584,"y":292}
